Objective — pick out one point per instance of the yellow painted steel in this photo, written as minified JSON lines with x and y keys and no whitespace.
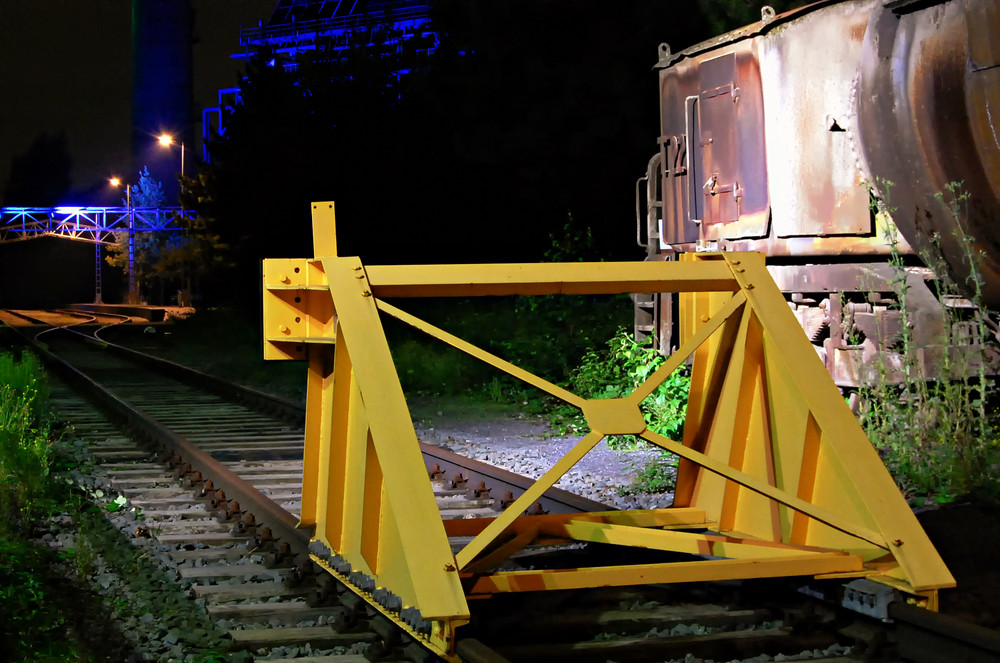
{"x":776,"y":477}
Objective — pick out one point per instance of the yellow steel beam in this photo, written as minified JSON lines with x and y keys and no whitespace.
{"x":664,"y":518}
{"x":760,"y":486}
{"x":324,"y":225}
{"x":785,"y":425}
{"x":529,"y":497}
{"x":575,"y":278}
{"x":674,"y":572}
{"x":682,"y":542}
{"x":319,"y":389}
{"x":687,"y":348}
{"x":392,"y":440}
{"x":867,"y":479}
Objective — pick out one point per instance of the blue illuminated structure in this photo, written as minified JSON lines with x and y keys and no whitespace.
{"x":389,"y":28}
{"x":91,"y":224}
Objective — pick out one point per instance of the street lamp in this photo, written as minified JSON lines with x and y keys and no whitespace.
{"x":166,"y":140}
{"x":133,"y":289}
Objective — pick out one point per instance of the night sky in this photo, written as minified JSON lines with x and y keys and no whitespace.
{"x":66,"y":65}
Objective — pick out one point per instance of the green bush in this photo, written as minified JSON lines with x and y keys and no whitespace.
{"x":614,"y":371}
{"x":32,"y":625}
{"x":24,"y":443}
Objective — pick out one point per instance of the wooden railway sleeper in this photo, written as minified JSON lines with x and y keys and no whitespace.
{"x":353,"y":614}
{"x":303,"y":568}
{"x":416,"y":652}
{"x":390,"y":645}
{"x":326,"y":591}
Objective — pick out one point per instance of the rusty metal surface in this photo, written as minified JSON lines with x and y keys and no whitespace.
{"x":816,"y":176}
{"x":771,"y":136}
{"x":770,"y":133}
{"x":712,"y":140}
{"x":928,"y":104}
{"x":768,"y":22}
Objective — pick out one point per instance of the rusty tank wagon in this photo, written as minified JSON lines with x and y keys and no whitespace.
{"x":856,"y":143}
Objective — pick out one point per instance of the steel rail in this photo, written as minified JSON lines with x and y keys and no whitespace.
{"x":553,"y":501}
{"x":283,"y":524}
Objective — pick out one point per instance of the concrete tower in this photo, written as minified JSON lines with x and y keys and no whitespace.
{"x":162,"y":97}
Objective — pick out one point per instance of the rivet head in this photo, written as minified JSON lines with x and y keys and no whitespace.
{"x":704,"y":317}
{"x":897,"y":542}
{"x":283,"y":329}
{"x":285,"y":279}
{"x":449,"y":567}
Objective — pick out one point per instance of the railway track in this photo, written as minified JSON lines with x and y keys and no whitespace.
{"x":219,"y":497}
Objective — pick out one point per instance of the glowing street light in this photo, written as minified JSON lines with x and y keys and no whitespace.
{"x":166,"y":140}
{"x":133,"y":286}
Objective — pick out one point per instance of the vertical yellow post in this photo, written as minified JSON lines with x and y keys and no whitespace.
{"x":324,"y":222}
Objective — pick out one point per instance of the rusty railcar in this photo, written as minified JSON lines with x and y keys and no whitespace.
{"x":778,"y":137}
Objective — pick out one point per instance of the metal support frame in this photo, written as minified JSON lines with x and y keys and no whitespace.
{"x":776,"y":477}
{"x":89,"y":224}
{"x":93,"y":224}
{"x":98,"y":288}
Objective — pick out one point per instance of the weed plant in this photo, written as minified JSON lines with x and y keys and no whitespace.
{"x":32,"y":621}
{"x":24,"y":443}
{"x":33,"y":606}
{"x":938,"y":437}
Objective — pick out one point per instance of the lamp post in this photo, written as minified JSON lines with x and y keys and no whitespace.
{"x":133,"y":290}
{"x":166,"y":140}
{"x":184,"y":295}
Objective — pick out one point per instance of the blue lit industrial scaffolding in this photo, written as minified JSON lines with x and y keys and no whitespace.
{"x":91,"y":224}
{"x":397,"y":27}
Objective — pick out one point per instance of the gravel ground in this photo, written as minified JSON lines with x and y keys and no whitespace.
{"x":525,"y":445}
